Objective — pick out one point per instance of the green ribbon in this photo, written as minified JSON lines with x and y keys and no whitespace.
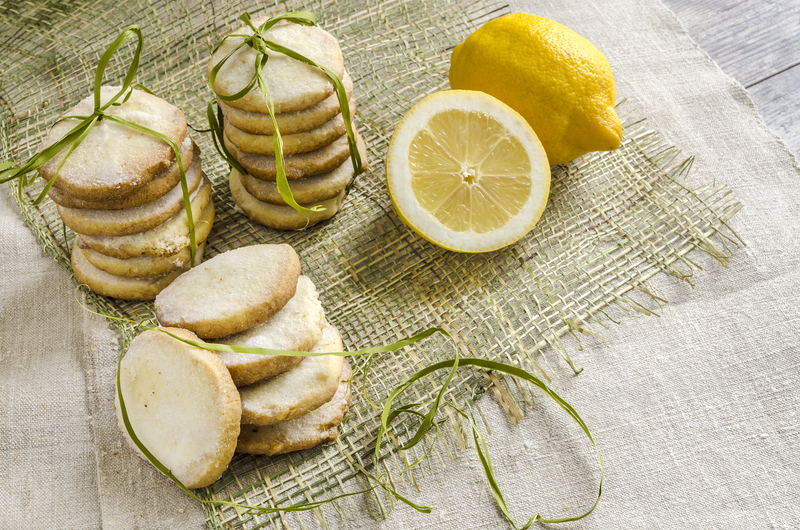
{"x":26,"y":174}
{"x":389,"y":415}
{"x":262,"y":47}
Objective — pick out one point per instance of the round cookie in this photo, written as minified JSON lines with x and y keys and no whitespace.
{"x":136,"y":219}
{"x":293,"y":85}
{"x":232,"y":291}
{"x":181,"y":404}
{"x":288,"y":122}
{"x":114,"y":160}
{"x":124,"y":288}
{"x":296,"y":327}
{"x":298,"y":391}
{"x":167,"y":238}
{"x":323,"y":160}
{"x":139,"y":267}
{"x":300,"y":142}
{"x":280,"y":217}
{"x":309,"y":189}
{"x":161,"y":184}
{"x":317,"y":427}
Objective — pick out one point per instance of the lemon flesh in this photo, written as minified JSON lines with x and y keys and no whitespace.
{"x":466,"y":172}
{"x":556,"y":79}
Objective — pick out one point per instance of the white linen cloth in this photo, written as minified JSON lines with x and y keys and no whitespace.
{"x":695,"y":412}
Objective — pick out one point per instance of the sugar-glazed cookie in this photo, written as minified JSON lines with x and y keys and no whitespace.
{"x":167,"y":238}
{"x":138,"y":267}
{"x":231,"y":292}
{"x":299,"y":142}
{"x":293,"y":85}
{"x":323,"y":160}
{"x":281,"y":217}
{"x":122,"y":287}
{"x":136,"y":219}
{"x":114,"y":160}
{"x":298,"y":391}
{"x":309,"y":189}
{"x":296,"y":327}
{"x":161,"y":184}
{"x":181,"y":404}
{"x":317,"y":427}
{"x":288,"y":122}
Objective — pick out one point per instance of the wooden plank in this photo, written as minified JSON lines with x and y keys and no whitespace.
{"x":758,"y":44}
{"x":751,"y":40}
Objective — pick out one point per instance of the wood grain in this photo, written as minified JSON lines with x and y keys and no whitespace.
{"x":757,"y":42}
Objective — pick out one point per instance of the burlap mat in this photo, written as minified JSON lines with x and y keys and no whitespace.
{"x":665,"y":418}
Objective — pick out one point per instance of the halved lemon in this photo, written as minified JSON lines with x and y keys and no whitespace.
{"x":466,"y":172}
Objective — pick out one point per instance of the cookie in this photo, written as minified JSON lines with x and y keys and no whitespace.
{"x":124,"y":288}
{"x":309,"y":189}
{"x":299,"y":142}
{"x":167,"y":238}
{"x":298,"y":391}
{"x":296,"y":327}
{"x":139,"y":267}
{"x":232,"y":291}
{"x":181,"y":404}
{"x":293,"y":85}
{"x":317,"y":427}
{"x":280,"y":217}
{"x":288,"y":122}
{"x":136,"y":219}
{"x":161,"y":184}
{"x":323,"y":160}
{"x":114,"y":160}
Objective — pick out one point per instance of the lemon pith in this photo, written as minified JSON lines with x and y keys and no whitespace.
{"x":556,"y":79}
{"x":466,"y":172}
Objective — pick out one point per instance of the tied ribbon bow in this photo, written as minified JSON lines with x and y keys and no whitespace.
{"x":25,"y":174}
{"x":263,"y":46}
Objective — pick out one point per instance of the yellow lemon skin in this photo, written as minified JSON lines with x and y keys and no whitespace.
{"x":556,"y":79}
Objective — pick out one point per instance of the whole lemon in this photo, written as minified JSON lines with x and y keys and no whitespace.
{"x":557,"y":80}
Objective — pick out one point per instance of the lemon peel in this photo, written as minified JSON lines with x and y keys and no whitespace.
{"x":556,"y":79}
{"x":467,"y":172}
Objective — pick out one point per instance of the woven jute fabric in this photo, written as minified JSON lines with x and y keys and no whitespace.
{"x":669,"y":416}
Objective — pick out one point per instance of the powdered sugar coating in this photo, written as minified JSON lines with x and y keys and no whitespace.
{"x":114,"y":159}
{"x":298,"y":391}
{"x":231,"y":292}
{"x":296,"y":327}
{"x":132,"y":220}
{"x":181,"y":404}
{"x":165,"y":239}
{"x":292,"y":84}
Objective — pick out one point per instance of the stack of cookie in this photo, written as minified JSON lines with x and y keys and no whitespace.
{"x":120,"y":192}
{"x":255,"y":296}
{"x":316,"y":153}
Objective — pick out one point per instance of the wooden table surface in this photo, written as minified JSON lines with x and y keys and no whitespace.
{"x":757,"y":42}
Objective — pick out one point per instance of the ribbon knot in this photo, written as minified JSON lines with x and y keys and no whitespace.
{"x":257,"y":42}
{"x":263,"y":46}
{"x":70,"y":141}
